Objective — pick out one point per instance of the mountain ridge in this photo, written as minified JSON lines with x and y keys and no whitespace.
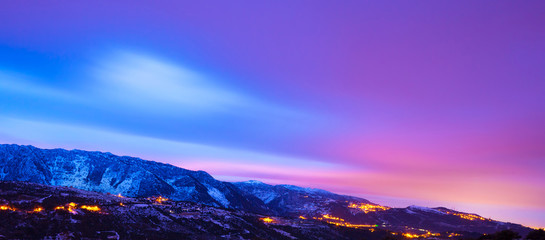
{"x":135,"y":177}
{"x":108,"y":173}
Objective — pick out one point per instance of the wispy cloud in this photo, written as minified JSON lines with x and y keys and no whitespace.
{"x":146,"y":82}
{"x":129,"y":81}
{"x":148,"y":95}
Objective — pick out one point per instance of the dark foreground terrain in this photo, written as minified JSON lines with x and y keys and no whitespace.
{"x":35,"y":211}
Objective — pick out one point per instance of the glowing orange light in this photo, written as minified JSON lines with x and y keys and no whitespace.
{"x":425,"y":235}
{"x":90,"y":208}
{"x":37,"y":209}
{"x":159,"y":199}
{"x":70,"y":207}
{"x":365,"y":207}
{"x":267,"y":220}
{"x":341,"y":222}
{"x":327,"y":216}
{"x":408,"y":235}
{"x":467,"y":216}
{"x":6,"y":207}
{"x":301,"y":217}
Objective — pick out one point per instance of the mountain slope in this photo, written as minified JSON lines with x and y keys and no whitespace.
{"x":128,"y":176}
{"x":351,"y":211}
{"x":35,"y":211}
{"x":433,"y":219}
{"x":295,"y":201}
{"x":134,"y":177}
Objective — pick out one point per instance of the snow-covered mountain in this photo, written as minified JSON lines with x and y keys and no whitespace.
{"x":128,"y":176}
{"x":133,"y":177}
{"x":295,"y":201}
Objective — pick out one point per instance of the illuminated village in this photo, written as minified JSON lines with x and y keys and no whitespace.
{"x":267,"y":220}
{"x":69,"y":207}
{"x":365,"y":207}
{"x":158,"y":199}
{"x":467,"y":216}
{"x":341,"y":222}
{"x":369,"y":208}
{"x":336,"y":221}
{"x":328,"y":218}
{"x":73,"y":208}
{"x":159,"y":212}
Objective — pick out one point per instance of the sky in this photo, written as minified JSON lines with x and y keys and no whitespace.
{"x":433,"y":103}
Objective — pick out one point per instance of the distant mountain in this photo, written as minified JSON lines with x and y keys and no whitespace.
{"x":343,"y":210}
{"x":134,"y":177}
{"x":289,"y":200}
{"x":434,"y":219}
{"x":128,"y":176}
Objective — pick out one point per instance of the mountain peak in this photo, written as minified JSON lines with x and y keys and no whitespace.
{"x":424,"y":209}
{"x":128,"y":176}
{"x":254,"y":182}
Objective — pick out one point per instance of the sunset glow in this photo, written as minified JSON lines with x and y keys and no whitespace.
{"x":439,"y":103}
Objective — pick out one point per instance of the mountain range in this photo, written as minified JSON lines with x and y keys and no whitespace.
{"x":134,"y":177}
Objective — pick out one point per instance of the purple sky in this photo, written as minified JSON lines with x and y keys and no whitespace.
{"x":429,"y":102}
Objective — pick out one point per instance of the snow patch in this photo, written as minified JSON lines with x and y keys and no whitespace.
{"x":424,"y":209}
{"x":253,"y":182}
{"x":216,"y":194}
{"x":266,"y":196}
